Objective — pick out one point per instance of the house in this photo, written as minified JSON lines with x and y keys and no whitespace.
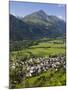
{"x":34,"y":66}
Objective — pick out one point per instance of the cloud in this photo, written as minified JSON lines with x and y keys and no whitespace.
{"x":13,"y":14}
{"x":61,"y":5}
{"x":60,"y":17}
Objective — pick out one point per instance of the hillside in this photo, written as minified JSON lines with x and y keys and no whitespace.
{"x":35,"y":26}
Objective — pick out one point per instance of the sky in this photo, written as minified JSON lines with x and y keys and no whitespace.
{"x":22,"y":9}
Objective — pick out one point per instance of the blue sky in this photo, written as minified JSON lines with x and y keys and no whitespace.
{"x":22,"y":9}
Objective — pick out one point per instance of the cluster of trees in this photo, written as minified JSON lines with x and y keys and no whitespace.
{"x":19,"y":45}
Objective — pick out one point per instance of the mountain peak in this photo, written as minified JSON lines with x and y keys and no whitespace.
{"x":40,"y":14}
{"x":41,"y":11}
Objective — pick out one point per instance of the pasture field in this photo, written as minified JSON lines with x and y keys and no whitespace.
{"x":43,"y":49}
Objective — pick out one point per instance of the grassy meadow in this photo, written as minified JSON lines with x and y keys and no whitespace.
{"x":44,"y":48}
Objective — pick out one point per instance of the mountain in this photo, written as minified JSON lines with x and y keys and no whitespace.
{"x":18,"y":29}
{"x":37,"y":17}
{"x":41,"y":16}
{"x":35,"y":26}
{"x":50,"y":25}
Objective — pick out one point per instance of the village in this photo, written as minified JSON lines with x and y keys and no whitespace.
{"x":35,"y":66}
